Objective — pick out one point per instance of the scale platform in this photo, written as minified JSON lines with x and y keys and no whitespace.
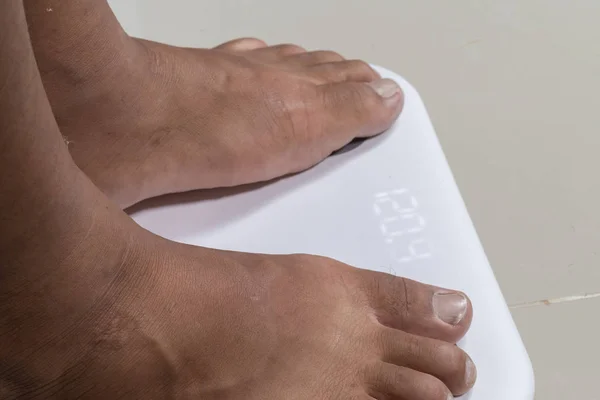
{"x":389,"y":204}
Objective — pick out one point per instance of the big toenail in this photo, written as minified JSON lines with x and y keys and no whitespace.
{"x":386,"y":88}
{"x":470,"y":373}
{"x":450,"y":307}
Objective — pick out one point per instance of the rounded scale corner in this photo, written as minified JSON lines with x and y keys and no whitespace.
{"x":530,"y":379}
{"x":521,"y":370}
{"x":522,"y":377}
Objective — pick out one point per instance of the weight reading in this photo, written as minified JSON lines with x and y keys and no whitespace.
{"x":401,"y":225}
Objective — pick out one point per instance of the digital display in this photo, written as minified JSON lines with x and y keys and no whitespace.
{"x":401,"y":225}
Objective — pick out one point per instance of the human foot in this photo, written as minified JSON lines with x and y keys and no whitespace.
{"x":136,"y":316}
{"x":92,"y":306}
{"x":144,"y":119}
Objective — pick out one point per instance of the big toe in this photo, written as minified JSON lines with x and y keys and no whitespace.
{"x":350,"y":109}
{"x":419,"y":309}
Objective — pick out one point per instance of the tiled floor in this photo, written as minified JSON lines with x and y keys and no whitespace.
{"x":512,"y":87}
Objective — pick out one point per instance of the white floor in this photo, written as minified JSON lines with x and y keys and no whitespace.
{"x":512,"y":87}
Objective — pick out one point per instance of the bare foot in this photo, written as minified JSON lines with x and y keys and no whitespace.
{"x":144,"y":119}
{"x":94,"y":307}
{"x":130,"y":315}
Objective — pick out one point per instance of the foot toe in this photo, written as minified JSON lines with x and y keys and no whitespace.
{"x":420,"y":309}
{"x":442,"y":360}
{"x":341,"y":71}
{"x":315,"y":58}
{"x":243,"y":44}
{"x":281,"y":51}
{"x":392,"y":382}
{"x":354,"y":109}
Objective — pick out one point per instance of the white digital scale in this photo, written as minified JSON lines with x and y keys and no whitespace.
{"x":389,"y":204}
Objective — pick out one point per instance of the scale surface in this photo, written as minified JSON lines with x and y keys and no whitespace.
{"x":390,"y":204}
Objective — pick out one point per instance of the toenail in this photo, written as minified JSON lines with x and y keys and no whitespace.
{"x":450,"y":396}
{"x":386,"y":88}
{"x":470,"y":373}
{"x":450,"y":307}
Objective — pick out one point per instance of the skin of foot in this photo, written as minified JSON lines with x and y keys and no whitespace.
{"x":94,"y":307}
{"x":130,"y":315}
{"x":144,"y":119}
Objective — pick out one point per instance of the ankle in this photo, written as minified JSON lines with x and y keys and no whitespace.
{"x":73,"y":318}
{"x":56,"y":290}
{"x":72,"y":244}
